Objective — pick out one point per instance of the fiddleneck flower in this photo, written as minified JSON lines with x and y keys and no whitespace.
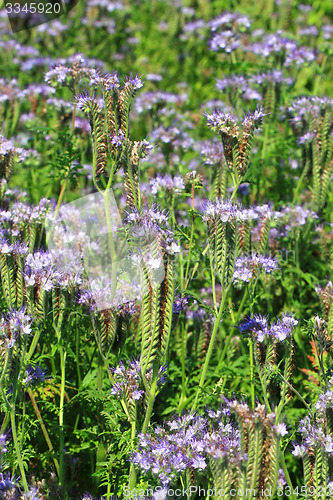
{"x":226,"y":210}
{"x":13,"y":325}
{"x":313,"y":437}
{"x":261,"y":329}
{"x":249,"y":267}
{"x":128,"y":382}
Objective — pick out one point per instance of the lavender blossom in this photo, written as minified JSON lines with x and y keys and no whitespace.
{"x":313,"y":437}
{"x":179,"y":304}
{"x":128,"y":382}
{"x":274,"y":76}
{"x":170,"y":450}
{"x":135,"y":82}
{"x":250,"y":267}
{"x":167,"y":183}
{"x":13,"y":325}
{"x":296,"y":216}
{"x":226,"y":211}
{"x":33,"y":375}
{"x":261,"y":329}
{"x":76,"y":70}
{"x":226,"y":31}
{"x":8,"y":486}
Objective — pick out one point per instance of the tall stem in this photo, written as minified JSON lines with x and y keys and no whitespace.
{"x":228,"y":340}
{"x":17,"y":449}
{"x":251,"y":372}
{"x":151,"y":400}
{"x":42,"y":425}
{"x":61,"y":414}
{"x":210,"y":348}
{"x":111,"y":245}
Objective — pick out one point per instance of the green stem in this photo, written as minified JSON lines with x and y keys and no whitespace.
{"x":111,"y":245}
{"x":320,"y":362}
{"x":132,"y":474}
{"x":196,"y":265}
{"x":228,"y":340}
{"x":183,"y":357}
{"x":297,"y":394}
{"x":33,"y":346}
{"x":251,"y":371}
{"x":77,"y":353}
{"x":63,"y":187}
{"x":213,"y":285}
{"x":151,"y":400}
{"x":187,"y":280}
{"x":264,"y":389}
{"x":44,"y":430}
{"x":61,"y":414}
{"x":286,"y":473}
{"x":17,"y":450}
{"x":210,"y":348}
{"x":4,"y":370}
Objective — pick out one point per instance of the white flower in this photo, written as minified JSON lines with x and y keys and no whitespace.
{"x":281,"y":429}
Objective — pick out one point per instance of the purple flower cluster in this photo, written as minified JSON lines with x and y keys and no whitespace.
{"x":169,"y":451}
{"x":147,"y":101}
{"x":313,"y":437}
{"x":305,"y":111}
{"x":128,"y":382}
{"x":226,"y":210}
{"x":22,"y":215}
{"x":33,"y":375}
{"x":13,"y":325}
{"x":77,"y":69}
{"x":11,"y":91}
{"x":224,"y":122}
{"x":45,"y":270}
{"x":167,"y":183}
{"x":3,"y":445}
{"x":7,"y":148}
{"x":325,"y":400}
{"x":192,"y":441}
{"x":238,"y":84}
{"x":274,"y":76}
{"x":210,"y":151}
{"x":284,"y":49}
{"x":261,"y":329}
{"x":10,"y":489}
{"x":15,"y":248}
{"x":226,"y":31}
{"x":176,"y":137}
{"x":249,"y":267}
{"x":296,"y":216}
{"x":151,"y":222}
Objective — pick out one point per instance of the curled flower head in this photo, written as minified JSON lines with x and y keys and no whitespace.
{"x":261,"y":329}
{"x":249,"y":267}
{"x":223,"y":122}
{"x":128,"y":382}
{"x":135,"y":81}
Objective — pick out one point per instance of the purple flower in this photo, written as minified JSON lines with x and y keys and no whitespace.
{"x":33,"y":375}
{"x":281,"y":429}
{"x":167,"y":183}
{"x":249,"y":267}
{"x":171,"y":449}
{"x":118,"y":140}
{"x":128,"y":382}
{"x":179,"y":304}
{"x":13,"y":325}
{"x":136,"y":82}
{"x":259,"y":325}
{"x":313,"y":437}
{"x":3,"y":444}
